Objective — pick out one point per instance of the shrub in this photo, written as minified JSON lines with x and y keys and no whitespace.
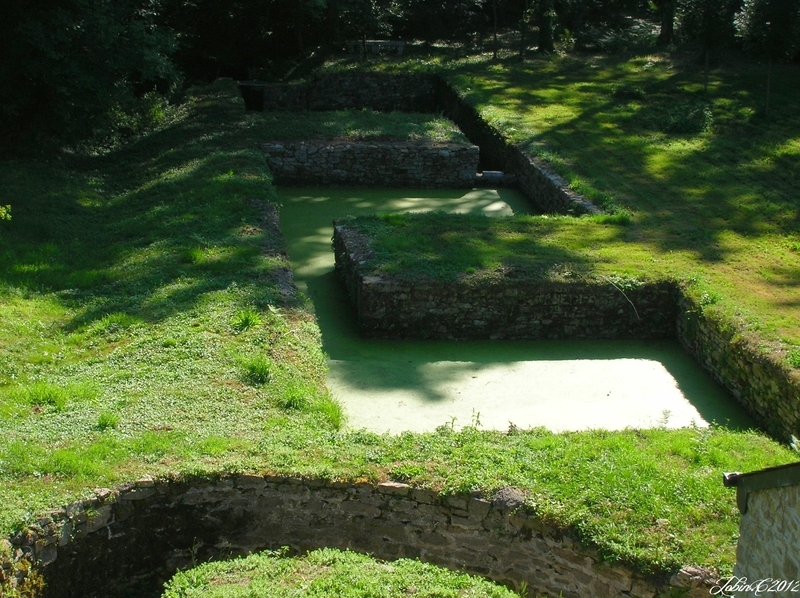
{"x":245,"y":319}
{"x":687,"y":117}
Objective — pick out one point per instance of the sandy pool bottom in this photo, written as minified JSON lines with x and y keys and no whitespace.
{"x":394,"y":386}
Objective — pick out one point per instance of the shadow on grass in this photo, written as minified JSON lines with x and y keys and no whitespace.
{"x":688,"y":189}
{"x":150,"y":229}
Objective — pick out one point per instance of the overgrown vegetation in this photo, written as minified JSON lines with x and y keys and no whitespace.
{"x":326,"y":572}
{"x":148,"y":329}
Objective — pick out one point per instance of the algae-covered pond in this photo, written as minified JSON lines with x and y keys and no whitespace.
{"x":420,"y":385}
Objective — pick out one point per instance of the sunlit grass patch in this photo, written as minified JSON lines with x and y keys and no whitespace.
{"x":49,"y":396}
{"x":245,"y":319}
{"x":326,"y":572}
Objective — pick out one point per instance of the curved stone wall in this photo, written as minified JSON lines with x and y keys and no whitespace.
{"x":129,"y":541}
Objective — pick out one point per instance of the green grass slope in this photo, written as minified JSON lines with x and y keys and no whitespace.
{"x":149,"y":327}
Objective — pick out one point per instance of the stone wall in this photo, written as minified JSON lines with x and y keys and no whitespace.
{"x":545,"y":189}
{"x":769,"y":540}
{"x":427,"y":93}
{"x":503,"y":308}
{"x":518,"y":309}
{"x":375,"y":164}
{"x":130,"y":540}
{"x":354,"y":91}
{"x":767,"y":388}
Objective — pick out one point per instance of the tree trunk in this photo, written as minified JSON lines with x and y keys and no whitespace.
{"x":667,"y":34}
{"x":523,"y":32}
{"x":494,"y":8}
{"x":769,"y":80}
{"x":544,"y":18}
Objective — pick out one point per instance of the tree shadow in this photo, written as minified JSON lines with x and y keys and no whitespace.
{"x":152,"y":228}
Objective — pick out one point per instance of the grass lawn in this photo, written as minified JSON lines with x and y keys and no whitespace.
{"x":148,"y":328}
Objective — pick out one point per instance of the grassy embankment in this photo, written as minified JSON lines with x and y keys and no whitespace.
{"x":709,"y":181}
{"x":147,"y":329}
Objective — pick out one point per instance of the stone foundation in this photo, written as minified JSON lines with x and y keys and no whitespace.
{"x":130,"y":540}
{"x":545,"y":189}
{"x":503,"y":308}
{"x":522,"y":309}
{"x":353,"y":91}
{"x":426,"y":93}
{"x":372,"y":164}
{"x":768,"y":388}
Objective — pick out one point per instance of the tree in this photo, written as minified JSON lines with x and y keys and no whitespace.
{"x":442,"y":19}
{"x":666,"y":13}
{"x":709,"y":22}
{"x":770,"y":29}
{"x":368,"y":18}
{"x":544,"y":15}
{"x":72,"y":67}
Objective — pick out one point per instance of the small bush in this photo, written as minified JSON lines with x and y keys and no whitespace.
{"x":245,"y":319}
{"x":193,"y":255}
{"x":46,"y":394}
{"x":114,"y":323}
{"x":305,"y":397}
{"x":107,"y":421}
{"x":628,"y":92}
{"x":43,"y":394}
{"x":687,"y":117}
{"x":331,"y":410}
{"x":297,"y":396}
{"x":258,"y":369}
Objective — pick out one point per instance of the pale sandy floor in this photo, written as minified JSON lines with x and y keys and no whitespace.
{"x":572,"y":394}
{"x":418,"y":386}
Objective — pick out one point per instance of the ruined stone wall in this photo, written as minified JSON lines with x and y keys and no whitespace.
{"x":373,"y":164}
{"x":429,"y":93}
{"x":769,"y":540}
{"x":503,"y":308}
{"x":354,"y":91}
{"x":130,"y":540}
{"x":519,"y":309}
{"x":767,"y":388}
{"x":545,"y":189}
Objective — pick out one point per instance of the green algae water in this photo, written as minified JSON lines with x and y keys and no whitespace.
{"x":396,"y":386}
